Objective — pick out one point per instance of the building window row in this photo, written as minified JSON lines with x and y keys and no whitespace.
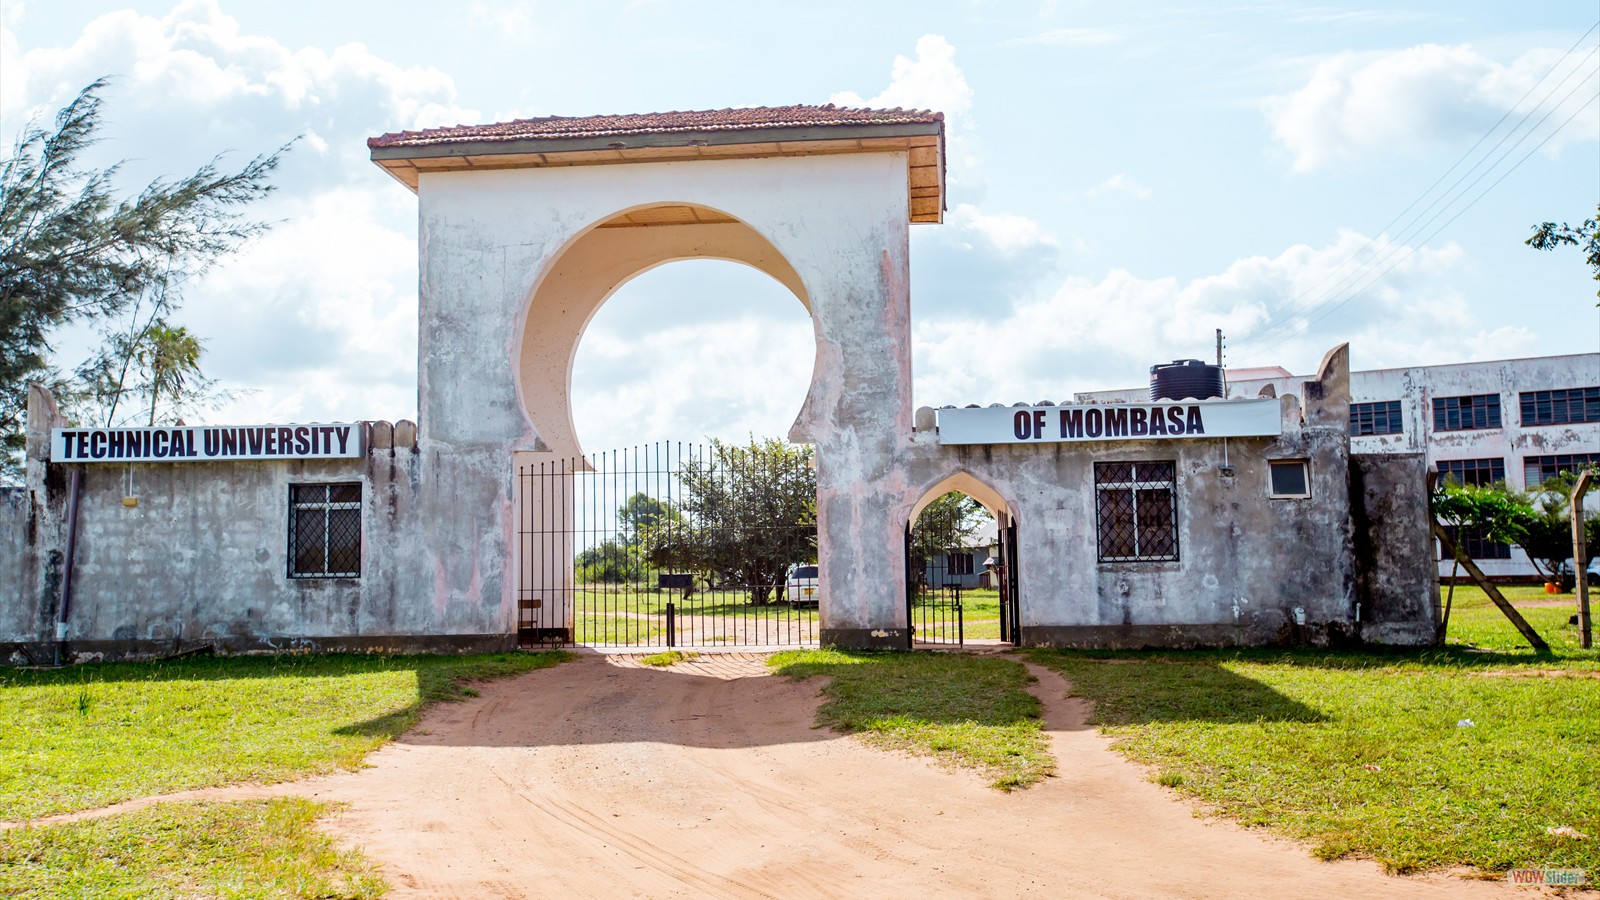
{"x":1536,"y":469}
{"x":1466,"y":413}
{"x":1566,"y":406}
{"x":1477,"y":472}
{"x":1561,"y":407}
{"x":1475,"y":544}
{"x":1382,"y":417}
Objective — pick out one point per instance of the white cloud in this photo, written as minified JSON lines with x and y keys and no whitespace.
{"x":319,"y":316}
{"x":979,"y":261}
{"x":1120,"y":184}
{"x":1090,"y":334}
{"x":196,"y":58}
{"x":647,"y":369}
{"x":1359,"y":104}
{"x":930,"y":81}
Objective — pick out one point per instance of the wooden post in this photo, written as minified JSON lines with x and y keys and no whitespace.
{"x":1499,"y":599}
{"x":1580,"y":572}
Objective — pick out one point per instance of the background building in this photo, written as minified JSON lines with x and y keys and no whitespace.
{"x":1514,"y":420}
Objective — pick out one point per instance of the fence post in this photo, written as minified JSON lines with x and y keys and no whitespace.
{"x":1579,"y":570}
{"x":672,"y":624}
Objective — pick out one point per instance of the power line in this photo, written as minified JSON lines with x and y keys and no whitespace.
{"x":1311,"y":299}
{"x":1411,"y":250}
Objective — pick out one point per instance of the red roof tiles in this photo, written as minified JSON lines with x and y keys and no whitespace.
{"x":751,"y":118}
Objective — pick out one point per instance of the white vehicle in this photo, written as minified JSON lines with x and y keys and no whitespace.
{"x":801,"y":586}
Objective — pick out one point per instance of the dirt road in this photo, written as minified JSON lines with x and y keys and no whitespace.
{"x":601,"y":778}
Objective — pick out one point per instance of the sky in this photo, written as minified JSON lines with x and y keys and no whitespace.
{"x":1124,"y":179}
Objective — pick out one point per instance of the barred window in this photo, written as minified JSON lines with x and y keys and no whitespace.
{"x":1478,"y":472}
{"x":958,"y":563}
{"x":1137,"y":510}
{"x":1561,"y":407}
{"x":324,"y":530}
{"x":1535,"y":469}
{"x":1466,"y":413}
{"x":1474,"y":544}
{"x":1382,"y":417}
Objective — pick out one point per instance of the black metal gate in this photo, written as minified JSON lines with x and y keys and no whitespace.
{"x":669,"y":545}
{"x":935,"y":604}
{"x":961,"y":595}
{"x":1005,"y":577}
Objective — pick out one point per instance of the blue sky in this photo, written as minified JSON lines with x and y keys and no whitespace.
{"x":1124,"y":178}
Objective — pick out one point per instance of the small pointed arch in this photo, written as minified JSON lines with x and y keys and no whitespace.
{"x":971,"y":485}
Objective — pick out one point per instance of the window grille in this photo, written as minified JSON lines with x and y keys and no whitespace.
{"x":1137,"y":510}
{"x":324,"y":530}
{"x":1562,"y":407}
{"x":1478,"y":472}
{"x":1535,"y":469}
{"x":1382,"y":417}
{"x":1466,"y":413}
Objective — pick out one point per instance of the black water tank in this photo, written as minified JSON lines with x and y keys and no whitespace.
{"x":1182,"y":379}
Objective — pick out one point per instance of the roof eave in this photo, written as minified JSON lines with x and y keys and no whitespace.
{"x":707,"y":138}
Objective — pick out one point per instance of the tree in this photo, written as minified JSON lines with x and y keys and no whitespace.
{"x":1548,"y":541}
{"x":1495,"y":511}
{"x":610,"y":562}
{"x":944,"y":524}
{"x":1586,"y":237}
{"x":641,"y":513}
{"x":747,"y":513}
{"x":71,"y":251}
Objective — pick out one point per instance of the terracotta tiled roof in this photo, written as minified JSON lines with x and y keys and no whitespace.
{"x":562,"y":127}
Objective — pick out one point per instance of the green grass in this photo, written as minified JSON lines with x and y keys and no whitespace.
{"x":93,"y":735}
{"x":1475,"y":621}
{"x":1362,"y":754}
{"x":266,"y":848}
{"x":968,"y":711}
{"x":980,"y":614}
{"x":623,"y":614}
{"x":669,"y":658}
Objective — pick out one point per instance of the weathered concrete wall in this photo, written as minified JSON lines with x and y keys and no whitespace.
{"x":1251,"y":569}
{"x":1395,"y":586}
{"x":202,"y":559}
{"x":18,"y":614}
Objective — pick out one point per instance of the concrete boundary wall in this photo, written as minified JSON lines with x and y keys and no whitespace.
{"x":171,"y":557}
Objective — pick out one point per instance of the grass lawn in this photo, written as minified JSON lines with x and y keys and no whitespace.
{"x":968,"y":711}
{"x":93,"y":735}
{"x":1419,"y":759}
{"x":1476,"y":622}
{"x":934,"y":613}
{"x":265,"y":848}
{"x":627,"y":614}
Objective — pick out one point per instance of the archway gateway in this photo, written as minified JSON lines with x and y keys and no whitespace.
{"x":526,"y":227}
{"x":961,"y":566}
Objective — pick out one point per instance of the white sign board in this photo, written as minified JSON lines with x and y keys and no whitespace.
{"x":1110,"y":422}
{"x":206,"y":443}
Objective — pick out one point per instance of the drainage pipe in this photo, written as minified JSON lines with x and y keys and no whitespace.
{"x":64,"y":607}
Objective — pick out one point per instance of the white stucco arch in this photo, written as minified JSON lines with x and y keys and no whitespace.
{"x":592,"y":267}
